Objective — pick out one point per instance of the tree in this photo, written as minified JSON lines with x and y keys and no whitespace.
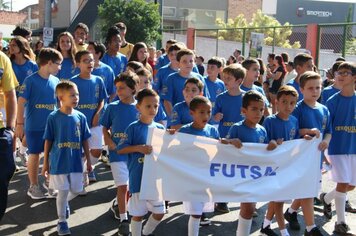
{"x":4,"y":5}
{"x":141,"y":18}
{"x":259,"y":20}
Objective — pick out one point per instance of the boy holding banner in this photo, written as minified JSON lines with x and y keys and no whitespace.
{"x":314,"y":119}
{"x":200,"y":110}
{"x":248,"y":130}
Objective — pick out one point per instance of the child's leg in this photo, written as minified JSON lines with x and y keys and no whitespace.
{"x":152,"y":223}
{"x":122,"y":201}
{"x":136,"y":225}
{"x":195,"y":210}
{"x":308,"y":212}
{"x":120,"y":174}
{"x":32,"y":168}
{"x":245,"y":219}
{"x":62,"y":203}
{"x":269,"y":214}
{"x":340,"y":199}
{"x":193,"y":225}
{"x":278,"y":210}
{"x":295,"y":206}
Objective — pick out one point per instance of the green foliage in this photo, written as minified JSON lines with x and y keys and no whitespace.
{"x":280,"y":34}
{"x":141,"y":18}
{"x":351,"y":47}
{"x":4,"y":5}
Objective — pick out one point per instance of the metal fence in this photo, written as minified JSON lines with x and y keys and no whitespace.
{"x":334,"y":39}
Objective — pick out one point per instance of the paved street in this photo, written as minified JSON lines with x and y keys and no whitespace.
{"x":90,"y":215}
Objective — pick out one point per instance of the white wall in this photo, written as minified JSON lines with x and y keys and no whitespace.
{"x":6,"y":30}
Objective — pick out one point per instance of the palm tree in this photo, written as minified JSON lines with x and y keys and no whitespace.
{"x":4,"y":5}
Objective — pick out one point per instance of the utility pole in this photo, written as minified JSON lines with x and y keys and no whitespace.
{"x":48,"y":14}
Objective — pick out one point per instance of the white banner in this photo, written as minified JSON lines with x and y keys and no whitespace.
{"x":185,"y":167}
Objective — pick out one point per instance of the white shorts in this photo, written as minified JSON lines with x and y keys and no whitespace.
{"x":72,"y":182}
{"x":343,"y":168}
{"x":96,"y":139}
{"x":197,"y":208}
{"x":120,"y":173}
{"x":137,"y":207}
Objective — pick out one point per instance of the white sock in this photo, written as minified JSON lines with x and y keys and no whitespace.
{"x":61,"y":202}
{"x":330,"y":196}
{"x":243,"y":227}
{"x":284,"y":232}
{"x":340,"y":199}
{"x":22,"y":149}
{"x":193,"y":226}
{"x":291,"y":210}
{"x":123,"y":217}
{"x":266,"y":223}
{"x":136,"y":227}
{"x":93,"y":160}
{"x":310,"y":227}
{"x":150,"y":226}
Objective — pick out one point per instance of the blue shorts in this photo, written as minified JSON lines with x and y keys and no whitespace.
{"x":35,"y":141}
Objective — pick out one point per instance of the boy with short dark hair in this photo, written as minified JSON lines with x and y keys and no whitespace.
{"x":38,"y":93}
{"x":81,"y":33}
{"x":314,"y":119}
{"x":248,"y":130}
{"x":134,"y":144}
{"x":181,"y":112}
{"x":92,"y":94}
{"x":163,"y":60}
{"x":200,"y":110}
{"x":342,"y":149}
{"x":66,"y":134}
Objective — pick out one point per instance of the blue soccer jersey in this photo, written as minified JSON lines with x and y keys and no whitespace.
{"x":107,"y":75}
{"x":313,"y":117}
{"x":258,"y":89}
{"x":181,"y":114}
{"x":68,"y":70}
{"x":160,"y":81}
{"x":24,"y":70}
{"x":208,"y":131}
{"x":278,"y":128}
{"x":41,"y":100}
{"x":117,"y":118}
{"x":327,"y":93}
{"x":91,"y":93}
{"x":230,"y":107}
{"x":162,"y":61}
{"x":343,"y":118}
{"x":215,"y":88}
{"x":295,"y":85}
{"x":117,"y":63}
{"x":136,"y":134}
{"x":67,"y":133}
{"x":246,"y":134}
{"x":161,"y":114}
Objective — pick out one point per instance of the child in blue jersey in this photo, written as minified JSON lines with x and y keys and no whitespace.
{"x":200,"y":110}
{"x":66,"y":45}
{"x":164,"y":59}
{"x":314,"y":120}
{"x":134,"y":144}
{"x":38,"y":93}
{"x":213,"y":83}
{"x":181,"y":111}
{"x":302,"y":62}
{"x":329,"y":91}
{"x":342,"y":149}
{"x":113,"y":58}
{"x":160,"y":81}
{"x":66,"y":134}
{"x":281,"y":127}
{"x":227,"y":109}
{"x":92,"y":95}
{"x":175,"y":81}
{"x":249,"y":131}
{"x":252,"y":73}
{"x":117,"y":117}
{"x":101,"y":69}
{"x":145,"y":81}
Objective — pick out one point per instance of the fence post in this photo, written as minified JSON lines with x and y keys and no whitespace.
{"x":217,"y":42}
{"x":191,"y":38}
{"x":243,"y":41}
{"x":274,"y":41}
{"x":344,"y":39}
{"x":312,"y":40}
{"x":316,"y":58}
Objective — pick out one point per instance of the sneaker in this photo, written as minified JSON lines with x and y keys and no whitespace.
{"x":62,"y":228}
{"x":341,"y":228}
{"x":124,"y":228}
{"x":317,"y":202}
{"x":204,"y":221}
{"x":314,"y":232}
{"x":292,"y":219}
{"x":222,"y":207}
{"x":115,"y":209}
{"x":91,"y":176}
{"x":23,"y":158}
{"x":267,"y":231}
{"x":83,"y":192}
{"x":35,"y":192}
{"x":349,"y":207}
{"x":326,"y":207}
{"x":52,"y":193}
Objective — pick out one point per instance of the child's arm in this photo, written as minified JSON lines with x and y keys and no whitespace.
{"x":311,"y":132}
{"x":87,"y":154}
{"x":144,"y":149}
{"x":47,"y":148}
{"x":324,"y":144}
{"x":97,"y":114}
{"x":20,"y":119}
{"x":107,"y":138}
{"x":168,"y":106}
